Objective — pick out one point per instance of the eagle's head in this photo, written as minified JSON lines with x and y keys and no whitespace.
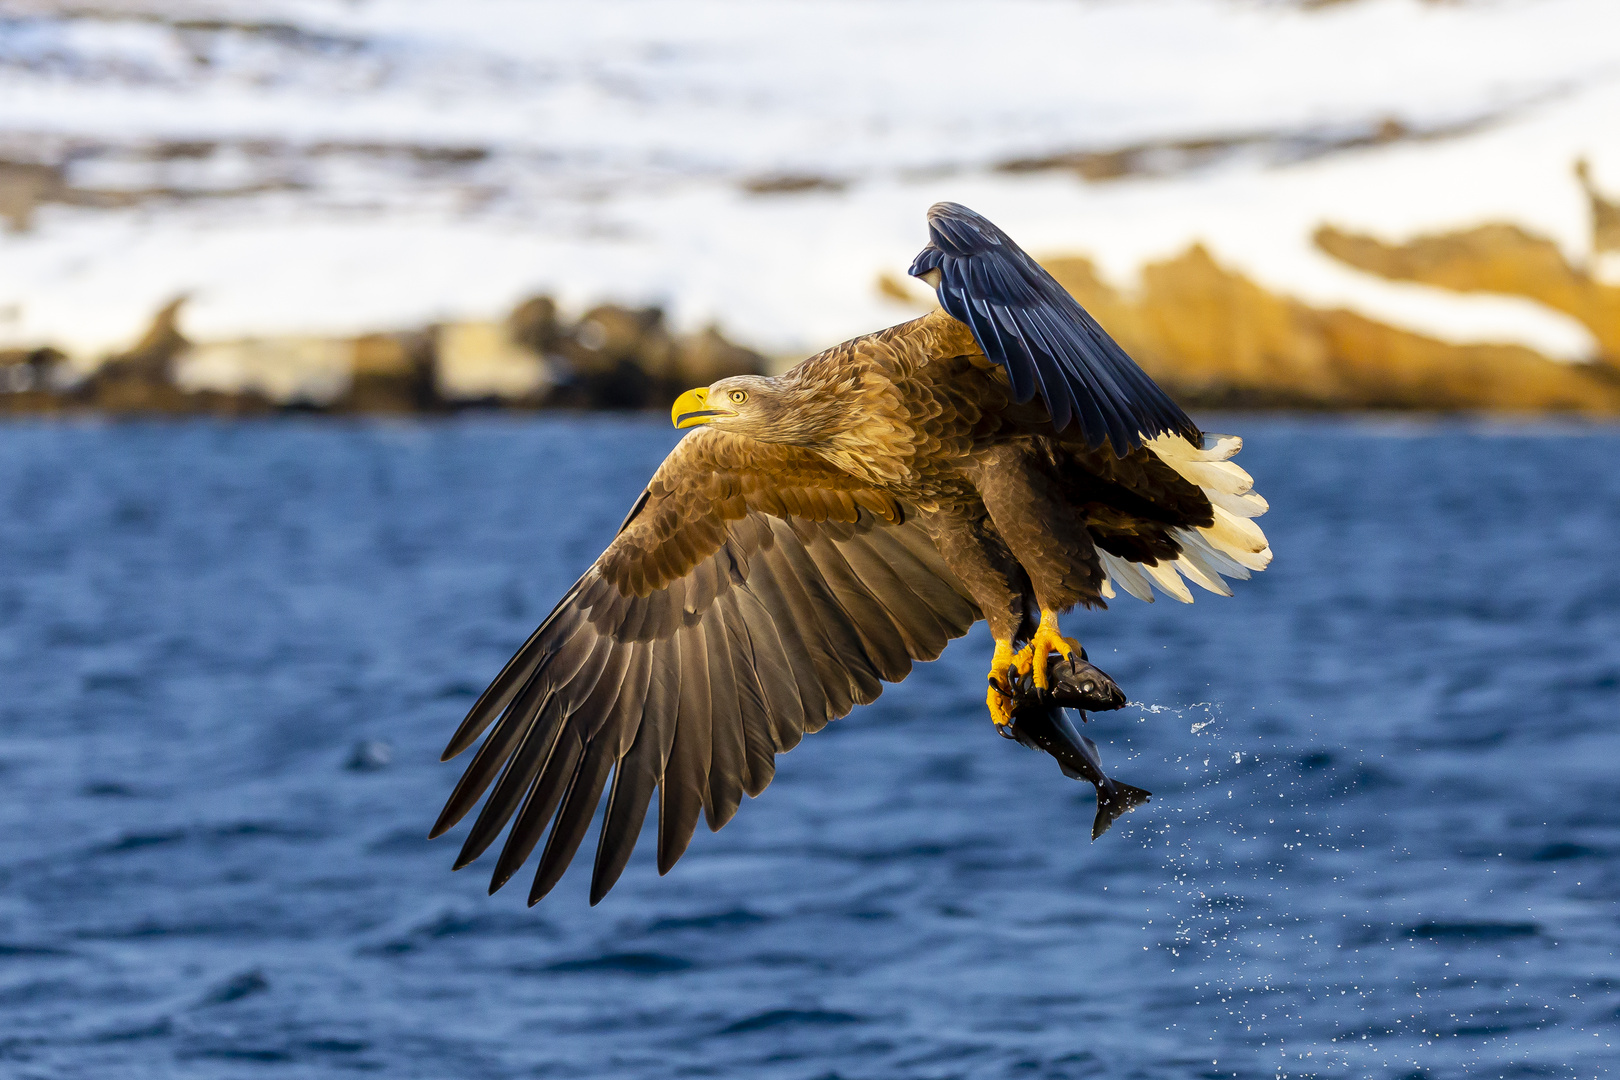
{"x":763,"y":408}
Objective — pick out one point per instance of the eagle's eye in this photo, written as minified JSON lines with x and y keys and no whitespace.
{"x":738,"y":396}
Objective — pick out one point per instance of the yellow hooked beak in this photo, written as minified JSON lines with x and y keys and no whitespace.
{"x":692,"y":409}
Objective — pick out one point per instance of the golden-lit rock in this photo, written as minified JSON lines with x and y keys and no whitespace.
{"x":27,"y":380}
{"x":1494,"y":258}
{"x":1215,"y":338}
{"x":626,"y":358}
{"x":535,"y":325}
{"x":142,"y":380}
{"x":609,"y":336}
{"x":391,"y":373}
{"x":23,"y":186}
{"x":1210,"y":334}
{"x":289,"y":370}
{"x":153,"y":355}
{"x":479,"y":361}
{"x":918,"y":296}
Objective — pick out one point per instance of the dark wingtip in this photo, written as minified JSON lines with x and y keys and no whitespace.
{"x":945,"y":210}
{"x":480,"y":715}
{"x":465,"y":859}
{"x":500,"y":877}
{"x":668,"y":857}
{"x":716,"y":817}
{"x":609,"y":867}
{"x":465,"y":736}
{"x":542,"y":886}
{"x":446,"y":822}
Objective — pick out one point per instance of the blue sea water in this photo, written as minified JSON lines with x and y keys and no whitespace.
{"x":1384,"y":841}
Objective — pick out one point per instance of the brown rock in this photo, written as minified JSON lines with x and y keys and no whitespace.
{"x":1215,"y":338}
{"x":26,"y":381}
{"x":609,"y":335}
{"x":707,"y":357}
{"x":479,"y":362}
{"x":152,"y":358}
{"x":534,"y":325}
{"x":892,"y":288}
{"x":791,"y":184}
{"x":1605,"y":211}
{"x":1494,"y":258}
{"x":615,"y":358}
{"x":292,"y":370}
{"x":141,"y":380}
{"x":393,"y":373}
{"x":23,"y":186}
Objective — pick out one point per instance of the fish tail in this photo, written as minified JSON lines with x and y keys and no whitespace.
{"x":1114,"y":800}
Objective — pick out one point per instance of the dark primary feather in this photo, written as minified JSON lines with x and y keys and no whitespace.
{"x":1028,"y":323}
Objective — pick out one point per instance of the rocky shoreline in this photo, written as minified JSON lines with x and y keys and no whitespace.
{"x":1209,"y":334}
{"x":609,"y":358}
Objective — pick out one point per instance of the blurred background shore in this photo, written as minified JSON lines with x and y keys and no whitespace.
{"x":247,"y":207}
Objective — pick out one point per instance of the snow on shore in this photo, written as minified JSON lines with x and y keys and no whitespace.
{"x":335,"y":168}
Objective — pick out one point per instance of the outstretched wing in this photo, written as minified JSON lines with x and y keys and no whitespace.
{"x":753,"y":594}
{"x":1030,"y":325}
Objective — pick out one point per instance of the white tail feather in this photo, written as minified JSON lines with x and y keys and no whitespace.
{"x":1231,"y":547}
{"x":1250,"y":505}
{"x":1233,"y":534}
{"x":1164,"y":575}
{"x":1215,"y":448}
{"x":1195,"y":545}
{"x":1174,"y":448}
{"x":1254,"y":560}
{"x":1223,"y":476}
{"x":1204,"y":578}
{"x":1208,"y":469}
{"x":1127,"y":574}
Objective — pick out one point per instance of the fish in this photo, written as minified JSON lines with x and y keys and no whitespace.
{"x":1042,"y":720}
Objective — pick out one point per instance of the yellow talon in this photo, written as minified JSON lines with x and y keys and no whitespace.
{"x":1000,"y":706}
{"x":1048,"y":639}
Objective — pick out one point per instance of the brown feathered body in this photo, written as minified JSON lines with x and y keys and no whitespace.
{"x":860,"y":511}
{"x":914,"y":422}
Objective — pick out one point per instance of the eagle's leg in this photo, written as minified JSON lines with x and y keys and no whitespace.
{"x":1031,"y":511}
{"x":978,"y":556}
{"x":1048,"y":639}
{"x":1002,"y":661}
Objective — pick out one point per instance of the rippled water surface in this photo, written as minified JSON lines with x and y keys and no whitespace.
{"x":1385,"y":839}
